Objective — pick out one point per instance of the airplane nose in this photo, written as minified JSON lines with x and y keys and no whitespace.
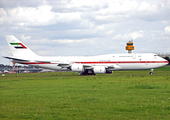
{"x":166,"y":62}
{"x":163,"y":62}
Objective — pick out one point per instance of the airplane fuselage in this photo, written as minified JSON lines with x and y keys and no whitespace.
{"x":118,"y":61}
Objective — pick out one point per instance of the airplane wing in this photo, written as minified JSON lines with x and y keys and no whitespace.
{"x":64,"y":65}
{"x":90,"y":67}
{"x":43,"y":61}
{"x":113,"y":67}
{"x":82,"y":68}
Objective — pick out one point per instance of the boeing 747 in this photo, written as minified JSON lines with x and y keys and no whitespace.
{"x":85,"y":65}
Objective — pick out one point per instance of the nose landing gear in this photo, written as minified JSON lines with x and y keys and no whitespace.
{"x":151,"y":72}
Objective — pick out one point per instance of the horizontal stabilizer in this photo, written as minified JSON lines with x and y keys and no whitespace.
{"x":16,"y":59}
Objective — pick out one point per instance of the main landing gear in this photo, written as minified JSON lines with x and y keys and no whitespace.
{"x":88,"y":72}
{"x":151,"y":72}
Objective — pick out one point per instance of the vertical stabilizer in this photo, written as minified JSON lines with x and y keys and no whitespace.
{"x":17,"y":47}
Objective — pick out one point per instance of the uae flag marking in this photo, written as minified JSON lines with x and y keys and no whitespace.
{"x":18,"y":45}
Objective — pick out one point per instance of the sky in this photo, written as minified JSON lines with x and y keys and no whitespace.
{"x":85,"y":27}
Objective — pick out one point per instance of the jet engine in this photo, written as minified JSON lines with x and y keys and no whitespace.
{"x":77,"y":68}
{"x":99,"y":70}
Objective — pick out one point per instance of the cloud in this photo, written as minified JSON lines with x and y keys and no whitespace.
{"x":23,"y":37}
{"x":68,"y":41}
{"x":68,"y":17}
{"x":28,"y":16}
{"x":137,"y":34}
{"x":16,"y":3}
{"x":167,"y":30}
{"x":147,"y":7}
{"x":2,"y":15}
{"x":134,"y":35}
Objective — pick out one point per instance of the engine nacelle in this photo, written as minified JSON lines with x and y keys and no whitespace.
{"x":99,"y":70}
{"x":77,"y":68}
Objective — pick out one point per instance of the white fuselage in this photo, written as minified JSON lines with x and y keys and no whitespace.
{"x":118,"y":61}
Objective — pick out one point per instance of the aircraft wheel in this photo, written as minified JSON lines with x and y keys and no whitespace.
{"x":151,"y":73}
{"x":81,"y":74}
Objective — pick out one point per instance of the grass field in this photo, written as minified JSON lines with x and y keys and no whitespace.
{"x":68,"y":96}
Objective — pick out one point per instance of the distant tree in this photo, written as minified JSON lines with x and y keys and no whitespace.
{"x":168,"y":59}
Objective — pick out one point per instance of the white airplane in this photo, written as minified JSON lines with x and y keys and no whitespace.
{"x":85,"y":65}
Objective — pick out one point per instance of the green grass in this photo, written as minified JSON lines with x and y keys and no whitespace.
{"x":68,"y":96}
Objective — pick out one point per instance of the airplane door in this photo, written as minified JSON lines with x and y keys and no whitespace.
{"x":146,"y":62}
{"x":117,"y":62}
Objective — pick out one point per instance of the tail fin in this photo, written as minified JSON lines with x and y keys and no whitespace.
{"x":17,"y":47}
